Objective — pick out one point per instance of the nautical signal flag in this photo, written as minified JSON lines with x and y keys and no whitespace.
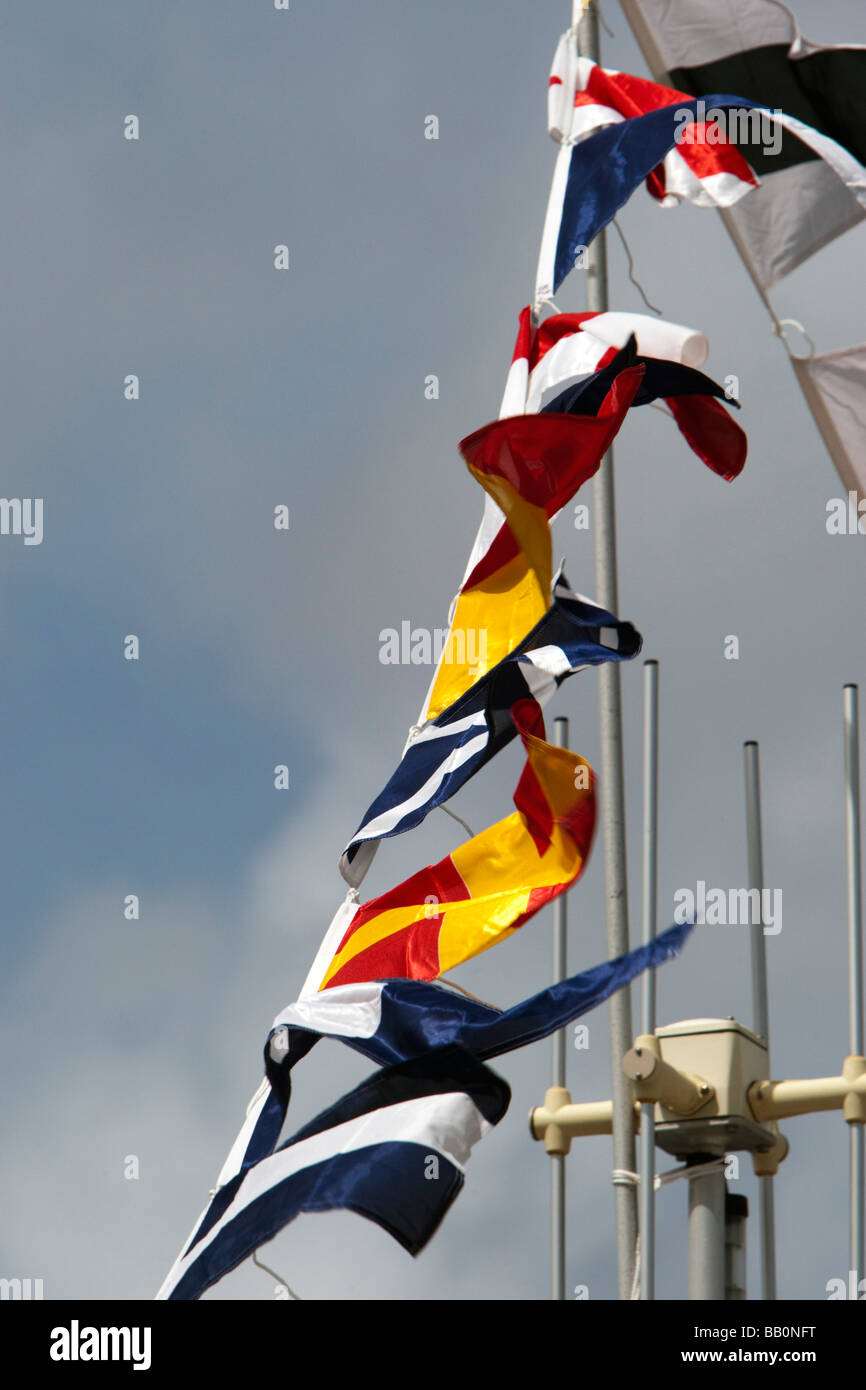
{"x":693,"y":399}
{"x":595,"y":177}
{"x":497,"y":586}
{"x":802,"y":205}
{"x":707,"y":175}
{"x":748,"y":46}
{"x":562,"y":347}
{"x":530,"y":466}
{"x":565,"y":347}
{"x":440,"y":758}
{"x":834,"y":384}
{"x":483,"y":891}
{"x":391,"y":1021}
{"x":372,"y":1151}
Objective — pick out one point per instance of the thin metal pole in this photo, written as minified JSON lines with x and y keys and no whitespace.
{"x":707,"y":1236}
{"x":855,"y":970}
{"x":612,"y":785}
{"x":760,"y":999}
{"x":612,"y":792}
{"x":648,"y":993}
{"x":647,"y":1203}
{"x":650,"y":833}
{"x":560,"y":963}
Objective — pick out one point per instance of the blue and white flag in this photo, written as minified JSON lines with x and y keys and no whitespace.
{"x":392,"y":1020}
{"x":371,"y":1153}
{"x":446,"y":752}
{"x":434,"y":1098}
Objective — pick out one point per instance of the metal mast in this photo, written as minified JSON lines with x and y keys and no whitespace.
{"x":560,"y":970}
{"x":612,"y":781}
{"x":855,"y":969}
{"x":760,"y":998}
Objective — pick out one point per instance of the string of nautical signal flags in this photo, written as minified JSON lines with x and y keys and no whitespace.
{"x":375,"y":983}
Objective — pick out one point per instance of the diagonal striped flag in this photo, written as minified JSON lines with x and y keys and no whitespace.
{"x":480,"y":893}
{"x":393,"y":1150}
{"x":549,"y":356}
{"x":531,"y":464}
{"x":441,"y":757}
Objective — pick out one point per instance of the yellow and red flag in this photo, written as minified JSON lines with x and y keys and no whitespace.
{"x":483,"y":891}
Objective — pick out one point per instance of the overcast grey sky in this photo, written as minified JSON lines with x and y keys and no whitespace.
{"x":257,"y":647}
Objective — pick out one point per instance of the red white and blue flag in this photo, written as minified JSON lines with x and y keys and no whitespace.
{"x":707,"y":175}
{"x":567,"y":348}
{"x":637,"y":125}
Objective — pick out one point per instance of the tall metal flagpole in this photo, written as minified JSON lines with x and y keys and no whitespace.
{"x":612,"y":789}
{"x":760,"y":999}
{"x":648,"y":991}
{"x":560,"y":963}
{"x":855,"y":970}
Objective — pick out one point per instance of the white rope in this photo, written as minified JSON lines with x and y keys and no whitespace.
{"x":623,"y":1177}
{"x":695,"y":1170}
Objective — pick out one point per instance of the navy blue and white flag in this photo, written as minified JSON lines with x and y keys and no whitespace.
{"x":442,"y":756}
{"x":371,"y":1153}
{"x":392,"y":1020}
{"x":433,"y":1096}
{"x":595,"y":177}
